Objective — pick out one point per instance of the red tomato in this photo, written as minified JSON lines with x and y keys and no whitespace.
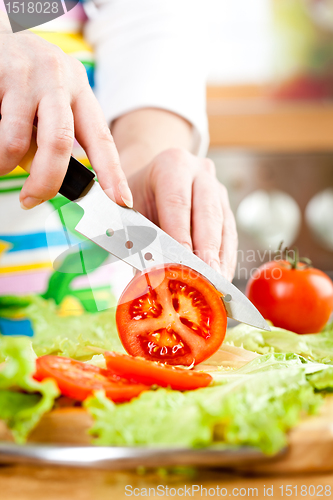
{"x":149,"y":372}
{"x":300,"y":300}
{"x":79,"y":380}
{"x":171,"y":314}
{"x":305,"y":87}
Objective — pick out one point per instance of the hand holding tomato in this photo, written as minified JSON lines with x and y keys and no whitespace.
{"x":292,"y":295}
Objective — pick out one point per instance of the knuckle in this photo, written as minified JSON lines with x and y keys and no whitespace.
{"x":224,"y":191}
{"x":104,"y":134}
{"x":177,"y":200}
{"x":212,"y":246}
{"x":15,"y":145}
{"x":176,"y":155}
{"x":171,"y":161}
{"x":212,"y":211}
{"x":52,"y":58}
{"x":53,"y":61}
{"x":79,"y":68}
{"x":209,"y":166}
{"x":17,"y":64}
{"x":62,"y":140}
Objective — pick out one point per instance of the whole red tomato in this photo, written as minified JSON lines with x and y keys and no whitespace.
{"x":295,"y":296}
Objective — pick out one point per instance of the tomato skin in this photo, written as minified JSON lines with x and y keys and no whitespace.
{"x":78,"y":380}
{"x":160,"y":287}
{"x":299,"y":300}
{"x":150,"y":372}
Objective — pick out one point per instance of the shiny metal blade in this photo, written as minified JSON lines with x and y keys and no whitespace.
{"x":134,"y":239}
{"x":122,"y":458}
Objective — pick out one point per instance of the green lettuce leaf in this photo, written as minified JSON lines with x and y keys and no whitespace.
{"x":71,"y":336}
{"x":315,"y":347}
{"x":22,"y":410}
{"x":255,"y":405}
{"x":322,"y":380}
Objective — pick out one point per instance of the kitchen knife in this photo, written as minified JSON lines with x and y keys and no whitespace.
{"x":131,"y":237}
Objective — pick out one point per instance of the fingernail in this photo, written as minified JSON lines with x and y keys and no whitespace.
{"x":125,"y":194}
{"x":226,"y":273}
{"x":215,"y":266}
{"x":231,"y":276}
{"x":30,"y":202}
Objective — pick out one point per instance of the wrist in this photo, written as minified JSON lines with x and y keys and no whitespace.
{"x":143,"y":134}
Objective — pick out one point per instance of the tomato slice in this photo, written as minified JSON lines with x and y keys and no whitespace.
{"x":79,"y":380}
{"x":171,"y":314}
{"x":152,"y":372}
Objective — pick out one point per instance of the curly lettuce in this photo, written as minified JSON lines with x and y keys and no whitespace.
{"x":253,"y":406}
{"x":72,"y":336}
{"x":23,"y":400}
{"x":315,"y":347}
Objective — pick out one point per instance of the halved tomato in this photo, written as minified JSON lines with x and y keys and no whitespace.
{"x":171,"y":314}
{"x":79,"y":380}
{"x":152,"y":372}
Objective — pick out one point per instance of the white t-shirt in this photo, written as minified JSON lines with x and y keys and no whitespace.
{"x":151,"y":53}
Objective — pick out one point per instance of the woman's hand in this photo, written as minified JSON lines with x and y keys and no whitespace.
{"x":38,"y":81}
{"x":181,"y":193}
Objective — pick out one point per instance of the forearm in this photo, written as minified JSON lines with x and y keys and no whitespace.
{"x":143,"y":134}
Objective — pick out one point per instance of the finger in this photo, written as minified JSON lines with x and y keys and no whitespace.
{"x":207,"y":219}
{"x":55,"y":136}
{"x":15,"y":130}
{"x":95,"y":137}
{"x":172,"y":186}
{"x":228,"y":251}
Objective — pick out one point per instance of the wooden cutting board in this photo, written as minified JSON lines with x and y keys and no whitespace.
{"x":310,"y":443}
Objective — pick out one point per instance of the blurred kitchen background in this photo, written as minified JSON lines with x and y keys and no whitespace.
{"x":270,"y":108}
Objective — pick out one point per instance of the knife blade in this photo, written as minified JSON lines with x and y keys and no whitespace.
{"x":127,"y":457}
{"x":131,"y":237}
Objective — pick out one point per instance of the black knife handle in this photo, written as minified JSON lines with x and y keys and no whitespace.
{"x":77,"y":178}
